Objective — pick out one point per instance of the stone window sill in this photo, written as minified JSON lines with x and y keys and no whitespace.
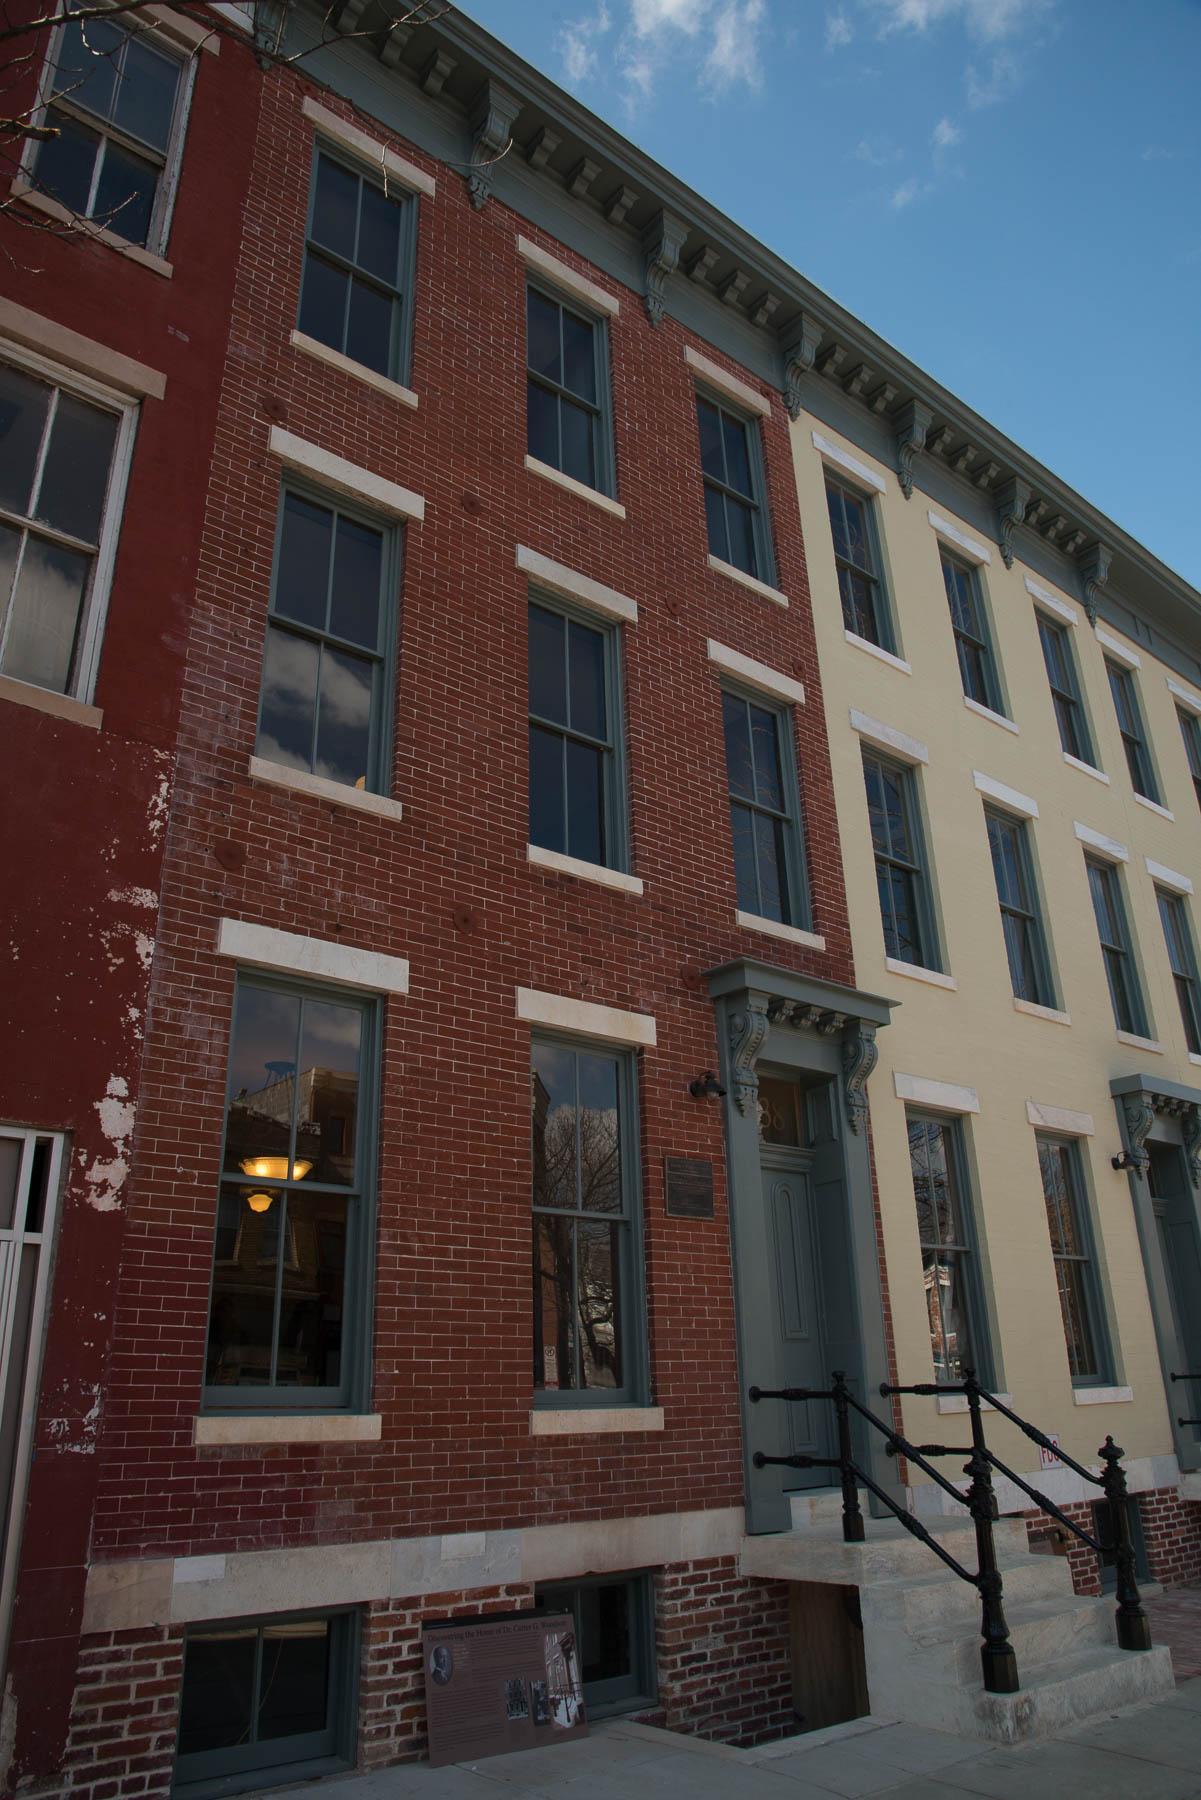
{"x":299,"y":781}
{"x":219,"y":1430}
{"x":957,"y":1403}
{"x":1140,"y":1043}
{"x":325,"y":353}
{"x":1155,"y":807}
{"x":788,"y":934}
{"x":876,"y":650}
{"x":1034,"y":1011}
{"x":583,"y":1421}
{"x":1101,"y":1396}
{"x":915,"y":972}
{"x":1074,"y":762}
{"x":571,"y":486}
{"x":585,"y":871}
{"x":87,"y":228}
{"x":59,"y":706}
{"x":748,"y":581}
{"x":986,"y":712}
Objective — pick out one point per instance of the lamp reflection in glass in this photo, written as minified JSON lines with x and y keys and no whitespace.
{"x":259,"y":1202}
{"x":274,"y":1168}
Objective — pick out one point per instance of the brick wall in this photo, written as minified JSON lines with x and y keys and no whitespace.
{"x":723,"y":1653}
{"x":124,"y":1719}
{"x":1171,"y":1532}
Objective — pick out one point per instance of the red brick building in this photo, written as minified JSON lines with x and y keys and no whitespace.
{"x":500,"y":770}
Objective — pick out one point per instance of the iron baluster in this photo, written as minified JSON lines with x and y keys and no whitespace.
{"x":997,"y":1656}
{"x":1134,"y":1631}
{"x":852,"y":1518}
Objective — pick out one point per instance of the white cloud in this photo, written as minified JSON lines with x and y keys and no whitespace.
{"x":945,"y":134}
{"x":733,"y":54}
{"x":877,"y":153}
{"x":575,"y":44}
{"x":648,"y":17}
{"x":1158,"y":153}
{"x":838,"y":30}
{"x":988,"y":87}
{"x":717,"y":41}
{"x":988,"y":20}
{"x":908,"y":192}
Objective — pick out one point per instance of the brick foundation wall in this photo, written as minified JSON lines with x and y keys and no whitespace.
{"x":1171,"y":1532}
{"x":723,"y":1653}
{"x":124,"y":1719}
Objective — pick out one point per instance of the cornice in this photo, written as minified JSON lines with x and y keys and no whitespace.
{"x":679,"y":237}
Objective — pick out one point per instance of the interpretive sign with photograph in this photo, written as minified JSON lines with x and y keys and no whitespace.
{"x":493,"y":1685}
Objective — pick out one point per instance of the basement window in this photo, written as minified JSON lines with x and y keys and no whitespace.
{"x":614,"y":1616}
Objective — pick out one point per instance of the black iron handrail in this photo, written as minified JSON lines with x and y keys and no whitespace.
{"x":1186,"y":1377}
{"x":998,"y":1660}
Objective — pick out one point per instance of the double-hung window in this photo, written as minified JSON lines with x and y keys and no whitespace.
{"x":587,"y":1263}
{"x":1116,"y":949}
{"x":1190,"y":731}
{"x":615,"y":1630}
{"x":1075,"y":1267}
{"x":973,"y":645}
{"x":116,"y":98}
{"x":949,"y":1275}
{"x":857,"y":561}
{"x":357,"y":266}
{"x":769,"y":864}
{"x":289,"y":1313}
{"x":1065,"y":689}
{"x":265,"y":1702}
{"x":732,"y":470}
{"x":905,"y":909}
{"x":1017,"y":896}
{"x":576,"y":787}
{"x":567,"y":390}
{"x":1183,"y":961}
{"x":327,"y":671}
{"x":1130,"y":724}
{"x":63,"y":453}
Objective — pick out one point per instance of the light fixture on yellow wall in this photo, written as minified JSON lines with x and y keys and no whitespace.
{"x":259,"y":1203}
{"x":274,"y":1168}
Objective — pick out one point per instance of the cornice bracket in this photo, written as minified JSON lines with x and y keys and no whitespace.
{"x":748,"y":1033}
{"x":1140,"y":1117}
{"x":492,"y":120}
{"x":860,"y":1054}
{"x":800,"y":350}
{"x":662,"y":242}
{"x":913,"y":421}
{"x":1093,"y":565}
{"x":1012,"y":501}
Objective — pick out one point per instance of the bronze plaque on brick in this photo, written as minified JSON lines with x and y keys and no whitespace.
{"x":689,"y":1185}
{"x":493,"y":1685}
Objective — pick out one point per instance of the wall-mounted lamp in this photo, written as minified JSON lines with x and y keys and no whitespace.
{"x":1123,"y":1160}
{"x":707,"y":1087}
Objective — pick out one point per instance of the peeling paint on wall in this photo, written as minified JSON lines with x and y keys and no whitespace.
{"x":106,"y":1176}
{"x":73,"y":1422}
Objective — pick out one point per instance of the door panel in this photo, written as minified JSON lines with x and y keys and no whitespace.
{"x":792,"y":1239}
{"x":1176,"y":1219}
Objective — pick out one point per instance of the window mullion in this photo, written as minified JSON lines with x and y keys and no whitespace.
{"x":258,"y":1685}
{"x":39,"y":466}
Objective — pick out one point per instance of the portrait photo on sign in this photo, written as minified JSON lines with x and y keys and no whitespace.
{"x":442,"y":1664}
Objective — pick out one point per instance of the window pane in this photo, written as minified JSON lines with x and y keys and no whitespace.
{"x":604,"y":1627}
{"x":587,"y":660}
{"x":739,"y":768}
{"x":242,"y":1311}
{"x":10,"y":544}
{"x":369,"y":327}
{"x":323,"y":301}
{"x":773,"y":885}
{"x":309,"y":1353}
{"x":75,"y":477}
{"x":294,"y":1679}
{"x":579,"y":457}
{"x":548,"y":672}
{"x":146,"y":93}
{"x":738,"y":459}
{"x":715,"y":520}
{"x":740,"y":524}
{"x":328,"y":1097}
{"x":87,"y":64}
{"x":598,"y":1249}
{"x":971,"y":671}
{"x":65,"y":164}
{"x":335,"y":204}
{"x":542,"y":336}
{"x":45,"y":612}
{"x":599,"y":1131}
{"x":218,"y":1690}
{"x":125,"y":193}
{"x":379,"y":234}
{"x":765,"y":743}
{"x":344,"y":719}
{"x":542,"y":425}
{"x":947,"y":1301}
{"x":302,"y":577}
{"x":23,"y":404}
{"x":579,"y":356}
{"x":709,"y":421}
{"x":261,"y":1089}
{"x":585,"y":802}
{"x":901,"y":907}
{"x":553,"y":1098}
{"x":358,"y":563}
{"x":289,"y":708}
{"x":742,"y":828}
{"x":1077,"y":1330}
{"x":554,"y":1312}
{"x":548,"y":803}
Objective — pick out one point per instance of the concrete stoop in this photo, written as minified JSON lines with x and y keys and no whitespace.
{"x":921,"y":1625}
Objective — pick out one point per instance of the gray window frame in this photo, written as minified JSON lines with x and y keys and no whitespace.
{"x":401,"y":347}
{"x":761,"y":526}
{"x":968,"y":1252}
{"x":635,"y":1344}
{"x":211,"y":1773}
{"x":1190,"y":731}
{"x":1139,"y":764}
{"x":1029,"y":913}
{"x":619,"y":1694}
{"x":383,"y":693}
{"x":616,"y":803}
{"x":918,"y":868}
{"x":1182,"y":952}
{"x":1122,"y":946}
{"x":796,"y":870}
{"x":1080,"y":1205}
{"x":354,"y":1392}
{"x":1067,"y":700}
{"x":603,"y":447}
{"x":885,"y":633}
{"x":983,"y":640}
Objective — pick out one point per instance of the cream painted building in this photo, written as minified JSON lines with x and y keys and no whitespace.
{"x":1022,"y":1056}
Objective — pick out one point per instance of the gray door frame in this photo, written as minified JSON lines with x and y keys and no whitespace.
{"x":1150,"y":1107}
{"x":825,"y":1033}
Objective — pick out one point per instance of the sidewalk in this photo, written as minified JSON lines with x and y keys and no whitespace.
{"x":1143,"y":1753}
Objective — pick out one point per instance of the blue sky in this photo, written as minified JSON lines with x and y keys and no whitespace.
{"x":1007,"y":190}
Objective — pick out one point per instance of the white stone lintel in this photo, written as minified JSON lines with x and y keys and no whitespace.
{"x":756,"y":674}
{"x":834,"y":453}
{"x":569,"y":584}
{"x":593,"y":1421}
{"x":346,"y":477}
{"x":554,"y":860}
{"x":1046,"y":1117}
{"x":788,"y":934}
{"x":568,"y":279}
{"x":376,"y":155}
{"x":942,"y":1096}
{"x":1005,"y":796}
{"x":971,"y":547}
{"x":1097,"y":840}
{"x":887,"y":737}
{"x":1169,"y":878}
{"x":1117,"y":647}
{"x":559,"y":1012}
{"x":748,"y":581}
{"x":1051,"y":602}
{"x":62,"y":345}
{"x":342,"y":965}
{"x":1187,"y":696}
{"x":730,"y":386}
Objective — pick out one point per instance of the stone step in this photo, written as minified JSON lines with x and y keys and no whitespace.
{"x":925,"y":1601}
{"x":889,"y":1552}
{"x":1041,"y":1632}
{"x":1083,"y":1685}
